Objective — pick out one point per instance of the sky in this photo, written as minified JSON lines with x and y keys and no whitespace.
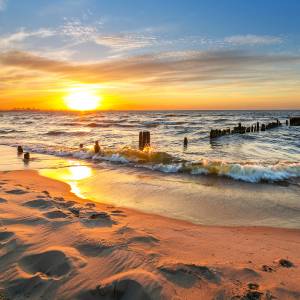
{"x":138,"y":54}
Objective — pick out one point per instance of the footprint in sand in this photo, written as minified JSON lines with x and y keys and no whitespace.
{"x":2,"y":200}
{"x":43,"y":272}
{"x":137,"y":284}
{"x":100,"y":219}
{"x":187,"y":274}
{"x":53,"y":263}
{"x":145,"y":239}
{"x":94,"y":248}
{"x":34,"y":287}
{"x":55,"y":214}
{"x":39,"y":204}
{"x":17,"y":192}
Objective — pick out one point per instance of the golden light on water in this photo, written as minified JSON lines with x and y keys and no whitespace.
{"x":75,"y":173}
{"x":83,"y":99}
{"x":72,"y":175}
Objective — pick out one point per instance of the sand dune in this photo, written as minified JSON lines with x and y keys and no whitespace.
{"x":54,"y":245}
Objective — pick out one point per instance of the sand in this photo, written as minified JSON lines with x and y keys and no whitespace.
{"x":54,"y":245}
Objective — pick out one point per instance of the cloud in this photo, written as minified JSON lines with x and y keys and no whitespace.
{"x":123,"y":42}
{"x":14,"y":39}
{"x":252,"y":40}
{"x":82,"y":33}
{"x":76,"y":30}
{"x":163,"y":68}
{"x":2,"y":4}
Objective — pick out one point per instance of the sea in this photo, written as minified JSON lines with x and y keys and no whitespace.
{"x":250,"y":179}
{"x":255,"y":157}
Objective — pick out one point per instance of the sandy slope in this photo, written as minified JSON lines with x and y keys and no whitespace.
{"x":56,"y":246}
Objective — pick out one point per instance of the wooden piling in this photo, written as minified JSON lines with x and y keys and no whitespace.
{"x":26,"y":156}
{"x":20,"y":150}
{"x":185,"y":142}
{"x":295,"y":121}
{"x":144,"y":139}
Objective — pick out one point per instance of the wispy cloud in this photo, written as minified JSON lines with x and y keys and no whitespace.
{"x":161,"y":68}
{"x":125,"y":41}
{"x":252,"y":40}
{"x":13,"y":40}
{"x":75,"y":29}
{"x":82,"y":33}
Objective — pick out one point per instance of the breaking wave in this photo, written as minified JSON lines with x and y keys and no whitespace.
{"x":166,"y":163}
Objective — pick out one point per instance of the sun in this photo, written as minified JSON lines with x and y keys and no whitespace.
{"x":83,"y":100}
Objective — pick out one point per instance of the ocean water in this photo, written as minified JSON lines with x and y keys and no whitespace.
{"x":270,"y":156}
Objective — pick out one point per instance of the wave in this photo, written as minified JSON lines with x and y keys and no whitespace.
{"x":71,"y":124}
{"x":8,"y":131}
{"x":167,"y":163}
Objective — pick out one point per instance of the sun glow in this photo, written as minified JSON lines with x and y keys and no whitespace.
{"x":82,"y":100}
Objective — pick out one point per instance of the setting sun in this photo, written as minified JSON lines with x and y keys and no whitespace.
{"x":83,"y":100}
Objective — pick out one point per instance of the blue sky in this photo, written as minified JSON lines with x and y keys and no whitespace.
{"x":240,"y":32}
{"x":157,"y":25}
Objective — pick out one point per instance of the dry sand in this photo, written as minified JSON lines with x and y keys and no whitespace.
{"x":54,"y":245}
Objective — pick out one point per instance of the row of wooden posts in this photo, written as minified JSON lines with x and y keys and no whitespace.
{"x":214,"y":133}
{"x":144,"y":136}
{"x":145,"y":139}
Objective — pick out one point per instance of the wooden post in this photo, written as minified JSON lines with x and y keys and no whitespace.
{"x":257,"y":126}
{"x":20,"y":150}
{"x":147,"y":139}
{"x":141,"y":146}
{"x":240,"y":128}
{"x":287,"y":122}
{"x":185,"y":142}
{"x":26,"y":156}
{"x":144,"y":139}
{"x":263,"y":127}
{"x":295,"y":121}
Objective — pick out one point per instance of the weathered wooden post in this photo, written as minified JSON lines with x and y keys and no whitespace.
{"x":185,"y":142}
{"x":263,"y":127}
{"x":97,"y":147}
{"x":141,"y":146}
{"x":287,"y":122}
{"x":144,"y":139}
{"x":240,"y":128}
{"x":20,"y":150}
{"x":295,"y":121}
{"x":147,"y":139}
{"x":26,"y":156}
{"x":257,"y":126}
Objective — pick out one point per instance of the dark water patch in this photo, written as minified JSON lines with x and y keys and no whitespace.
{"x":66,"y":133}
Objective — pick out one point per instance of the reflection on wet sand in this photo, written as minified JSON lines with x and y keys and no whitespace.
{"x":71,"y":175}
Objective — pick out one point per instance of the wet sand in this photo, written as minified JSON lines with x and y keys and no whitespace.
{"x":55,"y":245}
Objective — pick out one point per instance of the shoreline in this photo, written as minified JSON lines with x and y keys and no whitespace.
{"x":55,"y":245}
{"x":204,"y":200}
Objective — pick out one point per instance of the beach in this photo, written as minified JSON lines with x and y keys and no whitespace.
{"x":149,"y":150}
{"x":56,"y":245}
